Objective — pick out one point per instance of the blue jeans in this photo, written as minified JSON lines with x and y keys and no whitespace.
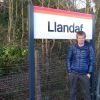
{"x":85,"y":86}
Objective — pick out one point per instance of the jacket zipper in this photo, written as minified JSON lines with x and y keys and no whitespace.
{"x":79,"y":57}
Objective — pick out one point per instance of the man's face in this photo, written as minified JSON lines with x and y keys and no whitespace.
{"x":80,"y":39}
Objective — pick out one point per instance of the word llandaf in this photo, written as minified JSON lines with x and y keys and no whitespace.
{"x":64,"y":28}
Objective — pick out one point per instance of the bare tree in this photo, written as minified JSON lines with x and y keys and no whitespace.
{"x":10,"y":22}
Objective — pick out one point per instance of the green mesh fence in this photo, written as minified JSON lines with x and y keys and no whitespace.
{"x":14,"y":86}
{"x":51,"y":78}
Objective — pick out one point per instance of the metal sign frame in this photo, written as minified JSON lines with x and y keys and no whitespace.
{"x":31,"y":52}
{"x":92,"y":83}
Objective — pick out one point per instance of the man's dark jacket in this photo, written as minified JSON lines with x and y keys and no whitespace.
{"x":80,"y":59}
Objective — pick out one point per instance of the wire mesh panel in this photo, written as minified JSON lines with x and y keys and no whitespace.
{"x":14,"y":86}
{"x":98,"y":87}
{"x":51,"y":77}
{"x":50,"y":72}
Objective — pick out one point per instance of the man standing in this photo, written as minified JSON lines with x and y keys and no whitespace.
{"x":80,"y":65}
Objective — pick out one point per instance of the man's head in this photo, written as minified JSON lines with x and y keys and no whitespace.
{"x":81,"y":36}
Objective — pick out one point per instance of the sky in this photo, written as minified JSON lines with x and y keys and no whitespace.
{"x":1,"y":0}
{"x":82,"y":4}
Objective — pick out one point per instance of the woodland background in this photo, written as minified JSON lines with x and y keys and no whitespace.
{"x":50,"y":55}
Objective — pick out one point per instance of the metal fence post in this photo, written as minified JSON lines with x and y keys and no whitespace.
{"x":93,"y":44}
{"x":31,"y":53}
{"x":98,"y":87}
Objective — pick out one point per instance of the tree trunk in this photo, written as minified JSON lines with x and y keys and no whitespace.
{"x":22,"y":11}
{"x":88,"y":9}
{"x":37,"y":76}
{"x":10,"y":19}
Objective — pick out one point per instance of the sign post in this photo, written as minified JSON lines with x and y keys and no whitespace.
{"x":48,"y":23}
{"x":92,"y":82}
{"x":31,"y":53}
